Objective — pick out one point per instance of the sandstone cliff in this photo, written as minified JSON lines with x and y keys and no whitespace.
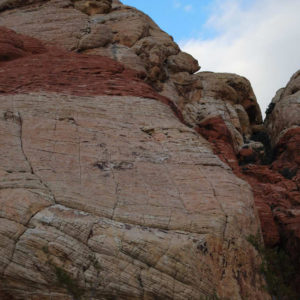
{"x":107,"y":188}
{"x":283,"y":125}
{"x":109,"y":28}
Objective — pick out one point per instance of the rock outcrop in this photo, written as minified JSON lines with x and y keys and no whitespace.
{"x":283,"y":125}
{"x":104,"y":191}
{"x":229,"y":97}
{"x":275,"y":179}
{"x":129,"y":36}
{"x":108,"y":188}
{"x":284,"y":110}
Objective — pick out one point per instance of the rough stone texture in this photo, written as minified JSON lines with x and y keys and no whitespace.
{"x":112,"y":196}
{"x":99,"y":36}
{"x":224,"y":95}
{"x":285,"y":110}
{"x":10,"y":4}
{"x":121,"y":54}
{"x":93,"y":7}
{"x":55,"y":22}
{"x":182,"y":62}
{"x":222,"y":107}
{"x":274,"y":193}
{"x":233,"y":89}
{"x":275,"y":185}
{"x":287,"y":154}
{"x":52,"y":70}
{"x":13,"y":46}
{"x":283,"y":126}
{"x":127,"y":35}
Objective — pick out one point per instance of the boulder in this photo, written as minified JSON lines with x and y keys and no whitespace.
{"x":99,"y":36}
{"x":93,"y":7}
{"x":182,"y":62}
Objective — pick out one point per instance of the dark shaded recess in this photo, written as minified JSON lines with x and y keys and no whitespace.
{"x":252,"y":113}
{"x":6,"y":296}
{"x":295,"y":90}
{"x":278,"y":269}
{"x":248,"y":160}
{"x":270,"y":108}
{"x":263,"y":137}
{"x":238,"y":86}
{"x":4,"y":57}
{"x":288,"y":173}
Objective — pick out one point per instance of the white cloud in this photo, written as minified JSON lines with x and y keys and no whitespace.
{"x":260,"y":41}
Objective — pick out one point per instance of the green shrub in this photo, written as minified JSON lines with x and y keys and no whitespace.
{"x":264,"y":138}
{"x":66,"y":281}
{"x":213,"y":297}
{"x":277,"y":269}
{"x":288,"y":173}
{"x":270,"y":108}
{"x":45,"y":249}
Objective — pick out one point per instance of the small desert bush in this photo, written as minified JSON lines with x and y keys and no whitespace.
{"x":277,"y":269}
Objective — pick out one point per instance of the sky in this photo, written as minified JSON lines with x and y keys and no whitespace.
{"x":258,"y":39}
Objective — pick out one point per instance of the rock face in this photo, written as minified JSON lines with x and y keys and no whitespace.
{"x":107,"y":189}
{"x":14,"y":46}
{"x":229,"y":97}
{"x":275,"y":183}
{"x":104,"y":191}
{"x":283,"y":126}
{"x":127,"y":35}
{"x":284,"y":110}
{"x":93,"y":7}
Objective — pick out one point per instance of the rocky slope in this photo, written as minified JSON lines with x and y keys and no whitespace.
{"x":121,"y":32}
{"x":108,"y":188}
{"x":105,"y":193}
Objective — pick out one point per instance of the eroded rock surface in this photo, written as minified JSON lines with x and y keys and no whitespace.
{"x":275,"y":180}
{"x":120,"y":32}
{"x":93,"y":7}
{"x":13,"y":46}
{"x":159,"y":204}
{"x":105,"y":193}
{"x":283,"y":126}
{"x":284,"y":110}
{"x":226,"y":96}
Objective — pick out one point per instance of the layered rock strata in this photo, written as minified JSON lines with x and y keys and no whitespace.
{"x":129,"y":36}
{"x":104,"y":193}
{"x":221,"y":107}
{"x":275,"y":180}
{"x":283,"y":126}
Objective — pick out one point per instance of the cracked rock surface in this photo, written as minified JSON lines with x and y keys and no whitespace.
{"x":125,"y":34}
{"x":119,"y":194}
{"x":105,"y":193}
